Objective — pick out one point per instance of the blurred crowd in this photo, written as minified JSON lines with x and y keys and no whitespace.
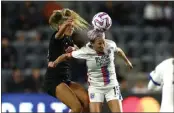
{"x":25,"y":37}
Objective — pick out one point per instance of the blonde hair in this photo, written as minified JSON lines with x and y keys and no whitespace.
{"x":59,"y":16}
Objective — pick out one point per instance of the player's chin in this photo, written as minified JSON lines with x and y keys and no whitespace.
{"x":101,"y":50}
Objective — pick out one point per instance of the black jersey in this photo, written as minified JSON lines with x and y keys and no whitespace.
{"x":57,"y":47}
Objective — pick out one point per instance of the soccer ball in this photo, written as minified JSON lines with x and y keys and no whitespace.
{"x":101,"y":21}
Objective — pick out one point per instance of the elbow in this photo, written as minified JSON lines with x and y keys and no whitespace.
{"x":67,"y":56}
{"x":150,"y":86}
{"x":153,"y":87}
{"x":119,"y":50}
{"x":120,"y":53}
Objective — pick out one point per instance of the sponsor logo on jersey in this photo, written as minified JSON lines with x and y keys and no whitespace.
{"x":102,"y":60}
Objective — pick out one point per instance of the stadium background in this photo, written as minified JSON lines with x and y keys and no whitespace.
{"x":142,"y":29}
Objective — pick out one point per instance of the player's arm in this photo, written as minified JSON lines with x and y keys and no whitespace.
{"x":63,"y":27}
{"x":153,"y":87}
{"x":62,"y":58}
{"x":123,"y":56}
{"x":76,"y":47}
{"x":70,"y":49}
{"x":79,"y":54}
{"x":155,"y":81}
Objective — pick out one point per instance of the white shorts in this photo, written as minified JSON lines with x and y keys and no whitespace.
{"x":99,"y":94}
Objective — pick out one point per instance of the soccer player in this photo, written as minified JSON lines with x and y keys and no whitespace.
{"x":57,"y":80}
{"x":99,"y":56}
{"x":163,"y":78}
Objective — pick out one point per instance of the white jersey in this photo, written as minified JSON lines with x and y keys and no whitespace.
{"x":163,"y":76}
{"x":101,"y":67}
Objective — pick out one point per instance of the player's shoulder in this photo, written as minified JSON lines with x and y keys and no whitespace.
{"x":85,"y":48}
{"x":88,"y":48}
{"x":53,"y":39}
{"x":165,"y":63}
{"x":110,"y":42}
{"x":53,"y":34}
{"x":169,"y":60}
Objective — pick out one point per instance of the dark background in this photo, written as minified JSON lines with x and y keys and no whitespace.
{"x":144,"y":30}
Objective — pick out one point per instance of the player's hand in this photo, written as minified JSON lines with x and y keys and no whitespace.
{"x":51,"y":64}
{"x":68,"y":22}
{"x":70,"y":49}
{"x":129,"y":64}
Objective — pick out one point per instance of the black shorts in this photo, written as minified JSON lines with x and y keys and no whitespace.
{"x":52,"y":80}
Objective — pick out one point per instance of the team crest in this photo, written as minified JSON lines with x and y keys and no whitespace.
{"x":92,"y":95}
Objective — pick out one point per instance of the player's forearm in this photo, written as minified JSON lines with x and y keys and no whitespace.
{"x":61,"y":31}
{"x":75,"y":46}
{"x":122,"y":55}
{"x":153,"y":87}
{"x":62,"y":58}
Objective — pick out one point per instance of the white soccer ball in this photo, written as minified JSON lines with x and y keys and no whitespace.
{"x":102,"y":21}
